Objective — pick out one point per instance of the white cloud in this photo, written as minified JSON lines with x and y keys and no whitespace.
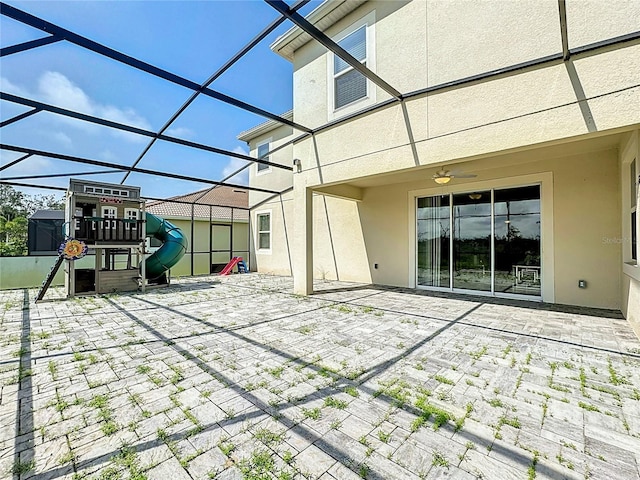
{"x":30,"y":166}
{"x":8,"y":87}
{"x":59,"y":90}
{"x":180,"y":132}
{"x":233,"y":165}
{"x":108,"y":156}
{"x":56,"y":89}
{"x":62,"y":138}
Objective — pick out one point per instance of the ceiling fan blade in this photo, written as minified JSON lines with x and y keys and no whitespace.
{"x":463,"y":175}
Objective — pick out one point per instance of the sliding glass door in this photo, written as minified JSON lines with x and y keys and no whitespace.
{"x":433,"y":228}
{"x":517,"y":240}
{"x":472,"y":241}
{"x":485,"y":241}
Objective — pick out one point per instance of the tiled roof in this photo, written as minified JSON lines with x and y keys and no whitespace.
{"x":221,"y":198}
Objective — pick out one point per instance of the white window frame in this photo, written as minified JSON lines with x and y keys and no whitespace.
{"x":630,"y":152}
{"x":368,"y":21}
{"x":632,"y":201}
{"x":265,"y":251}
{"x":131,"y":214}
{"x":106,"y":191}
{"x":106,"y":213}
{"x":268,"y":157}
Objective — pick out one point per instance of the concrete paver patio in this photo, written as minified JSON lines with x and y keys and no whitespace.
{"x":231,"y":378}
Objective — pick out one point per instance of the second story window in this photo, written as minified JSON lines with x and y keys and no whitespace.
{"x":350,"y":85}
{"x":263,"y":149}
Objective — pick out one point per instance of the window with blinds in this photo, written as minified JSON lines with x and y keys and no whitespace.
{"x":349,"y":84}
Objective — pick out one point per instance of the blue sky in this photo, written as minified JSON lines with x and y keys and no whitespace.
{"x":189,"y":38}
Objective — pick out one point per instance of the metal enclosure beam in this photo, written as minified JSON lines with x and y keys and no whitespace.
{"x":46,"y":187}
{"x":100,"y":49}
{"x":323,"y":39}
{"x":100,"y":163}
{"x":55,"y":175}
{"x":16,"y":161}
{"x":128,"y":128}
{"x":19,"y":117}
{"x":21,"y":47}
{"x":562,"y":8}
{"x":227,"y":65}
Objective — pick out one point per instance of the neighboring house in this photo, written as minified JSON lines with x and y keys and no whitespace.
{"x":45,"y":232}
{"x":552,"y":142}
{"x":217,"y":227}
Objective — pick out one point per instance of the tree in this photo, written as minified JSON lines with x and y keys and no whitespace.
{"x":14,"y":236}
{"x":43,"y":202}
{"x":15,"y":207}
{"x":11,"y":203}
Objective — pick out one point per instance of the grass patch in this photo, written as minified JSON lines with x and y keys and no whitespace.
{"x":23,"y":467}
{"x":110,"y":427}
{"x":397,"y":389}
{"x":312,"y":413}
{"x":269,"y":438}
{"x":512,"y":422}
{"x":613,"y":375}
{"x":226,"y":448}
{"x":440,"y":416}
{"x":332,"y":402}
{"x":478,"y":354}
{"x":583,"y":383}
{"x":443,"y":379}
{"x":257,"y":467}
{"x":531,"y":471}
{"x":276,"y":371}
{"x":353,"y":391}
{"x":588,"y":406}
{"x":53,"y":370}
{"x":439,"y":460}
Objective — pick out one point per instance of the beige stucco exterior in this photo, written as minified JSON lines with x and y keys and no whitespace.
{"x":571,"y":126}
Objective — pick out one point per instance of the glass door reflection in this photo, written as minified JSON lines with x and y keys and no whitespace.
{"x":517,"y":240}
{"x":433,"y":230}
{"x":472,"y":241}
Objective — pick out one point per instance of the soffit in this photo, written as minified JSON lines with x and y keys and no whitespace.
{"x":572,"y":147}
{"x":328,"y":13}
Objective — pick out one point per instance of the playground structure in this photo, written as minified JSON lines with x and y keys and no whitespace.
{"x":110,"y":221}
{"x":237,"y":262}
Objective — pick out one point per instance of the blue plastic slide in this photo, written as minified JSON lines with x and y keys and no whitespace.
{"x":174,"y":246}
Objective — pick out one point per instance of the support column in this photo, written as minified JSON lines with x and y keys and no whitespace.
{"x":303,"y":241}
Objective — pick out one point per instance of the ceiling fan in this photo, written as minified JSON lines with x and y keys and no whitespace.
{"x":444,"y":176}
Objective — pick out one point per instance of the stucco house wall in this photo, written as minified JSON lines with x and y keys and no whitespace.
{"x":564,"y":124}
